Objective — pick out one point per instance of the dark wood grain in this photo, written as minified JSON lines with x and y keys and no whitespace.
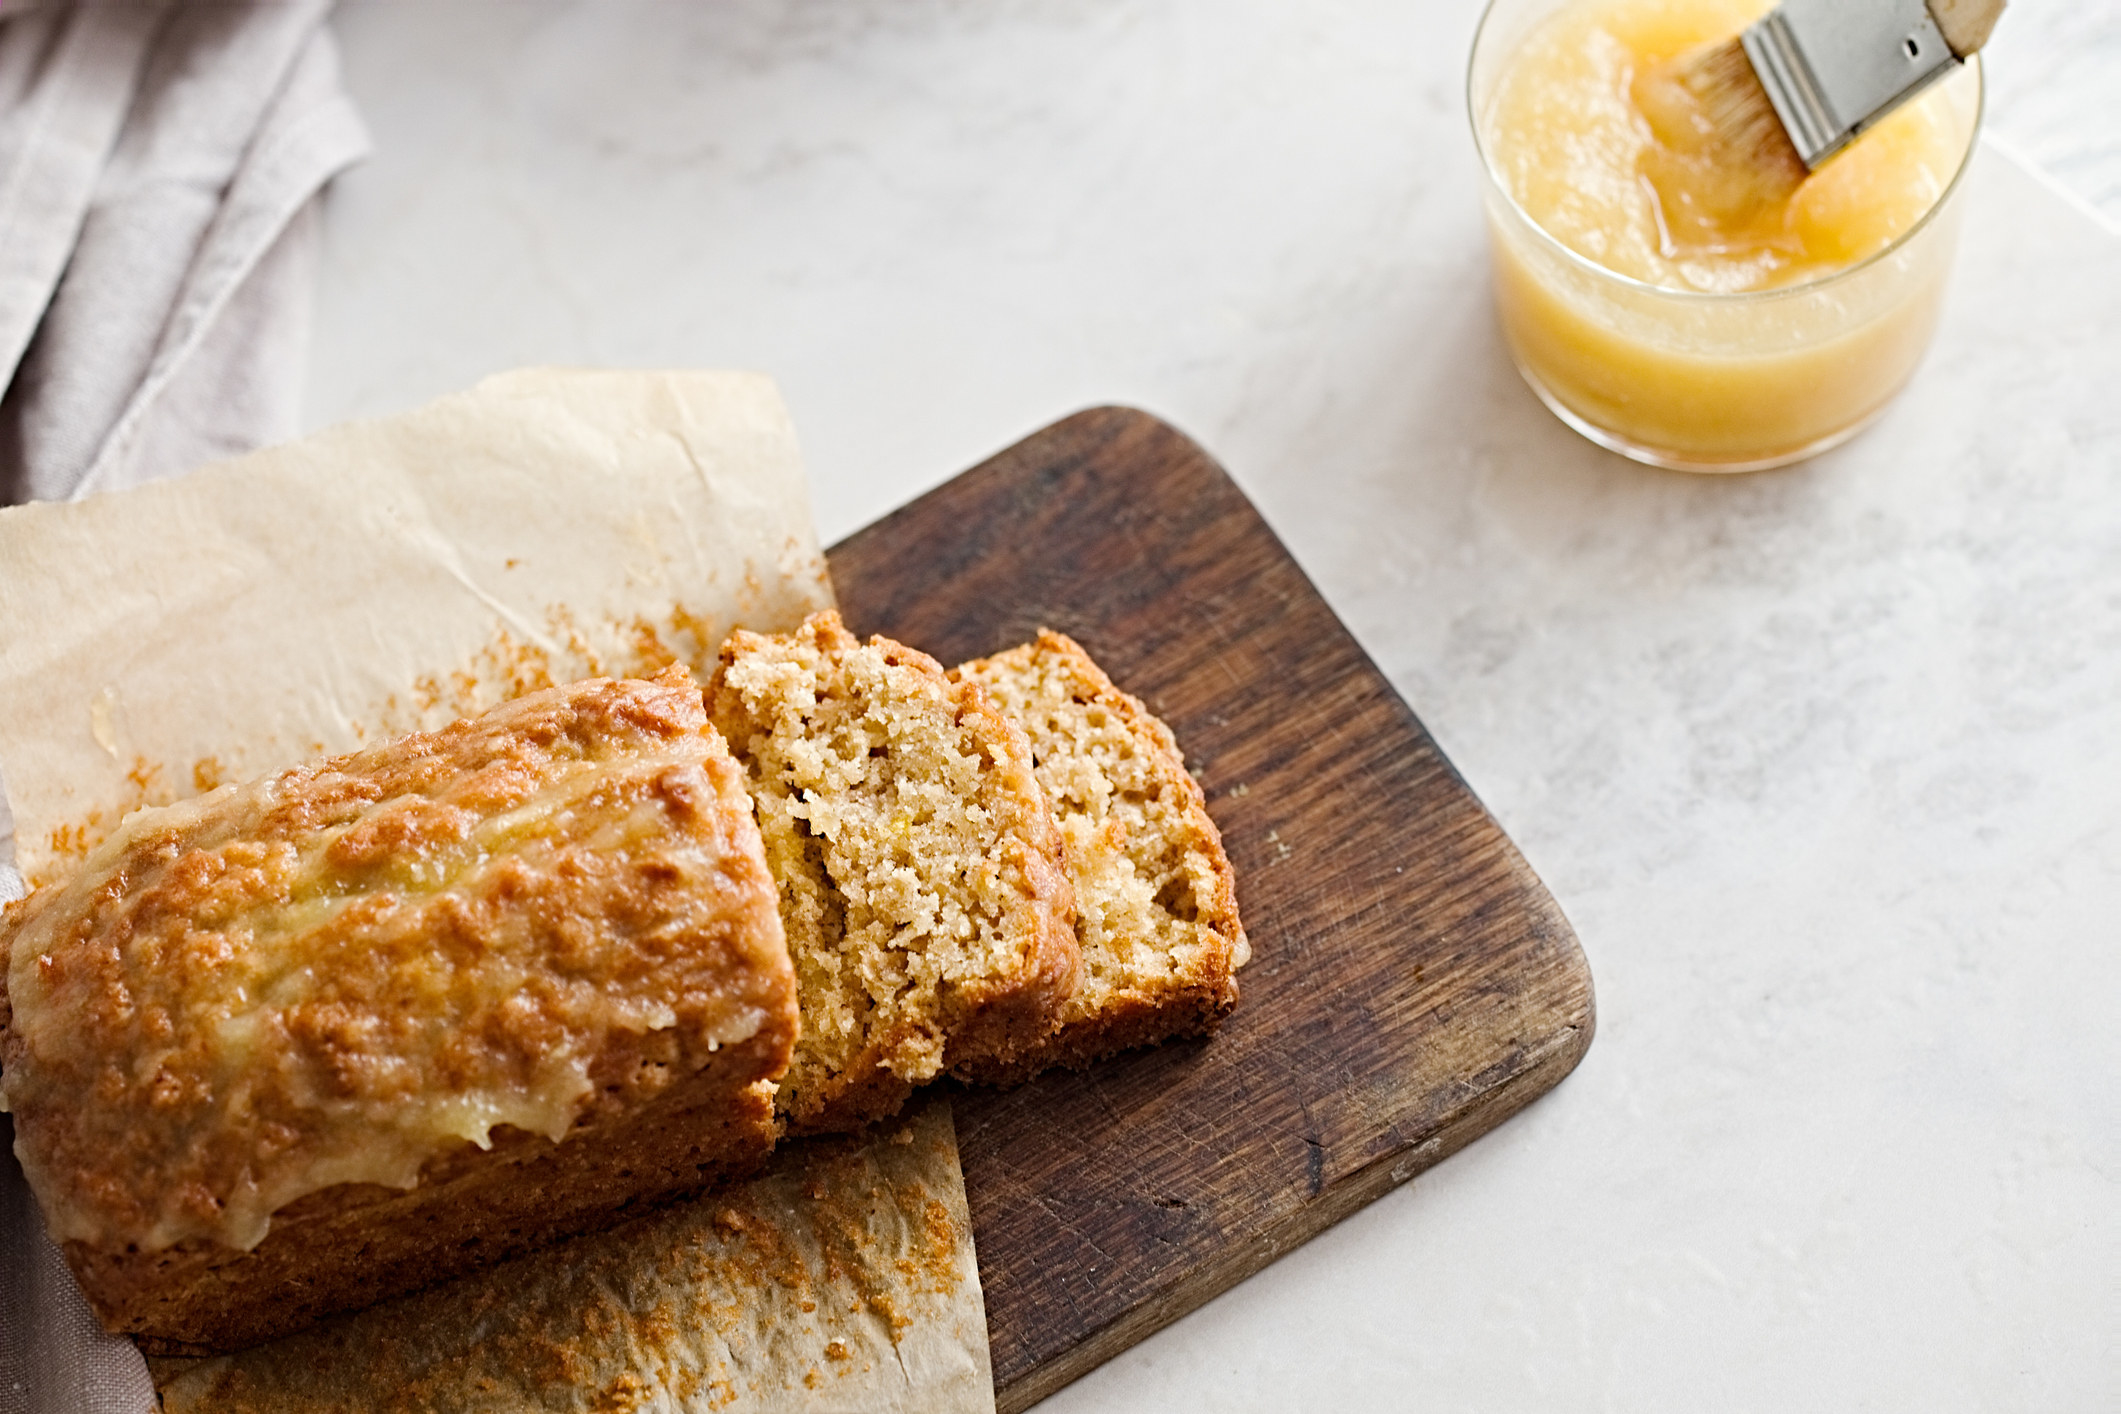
{"x":1412,"y":983}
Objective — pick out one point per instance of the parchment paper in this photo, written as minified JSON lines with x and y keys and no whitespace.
{"x":381,"y":576}
{"x":834,"y":1283}
{"x":378,"y":577}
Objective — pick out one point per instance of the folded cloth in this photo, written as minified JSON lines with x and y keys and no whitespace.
{"x":160,"y":167}
{"x":54,"y":1358}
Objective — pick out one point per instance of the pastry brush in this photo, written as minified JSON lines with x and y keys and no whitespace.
{"x":1809,"y":77}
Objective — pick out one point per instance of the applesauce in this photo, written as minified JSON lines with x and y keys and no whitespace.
{"x":1651,"y":310}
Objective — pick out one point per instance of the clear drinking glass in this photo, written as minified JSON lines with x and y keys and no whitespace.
{"x":1697,"y":381}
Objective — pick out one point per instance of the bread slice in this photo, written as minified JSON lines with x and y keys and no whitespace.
{"x":1156,"y":902}
{"x":309,"y":1042}
{"x":921,"y":884}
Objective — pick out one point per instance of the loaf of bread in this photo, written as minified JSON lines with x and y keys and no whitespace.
{"x":1155,"y":898}
{"x":921,"y":884}
{"x":302,"y":1044}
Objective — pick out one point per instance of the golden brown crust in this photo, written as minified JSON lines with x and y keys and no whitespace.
{"x":348,"y":1247}
{"x":821,"y":1285}
{"x":288,"y":1002}
{"x":926,"y":907}
{"x":1125,"y":1021}
{"x":1155,"y":894}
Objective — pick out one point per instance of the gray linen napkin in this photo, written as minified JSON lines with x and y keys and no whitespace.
{"x":160,"y":167}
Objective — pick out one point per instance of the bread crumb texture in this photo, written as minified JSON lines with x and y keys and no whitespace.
{"x":1156,"y":903}
{"x":926,"y":907}
{"x":339,"y":974}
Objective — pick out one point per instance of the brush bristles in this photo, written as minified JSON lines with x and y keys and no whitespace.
{"x":1720,"y":141}
{"x":1738,"y":110}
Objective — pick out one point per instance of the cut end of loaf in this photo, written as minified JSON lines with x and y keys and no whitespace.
{"x":1155,"y":895}
{"x":927,"y":910}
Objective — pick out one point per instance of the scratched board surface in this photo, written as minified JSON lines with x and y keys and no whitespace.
{"x":1412,"y":983}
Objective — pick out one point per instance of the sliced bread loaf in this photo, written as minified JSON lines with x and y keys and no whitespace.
{"x":927,"y":910}
{"x":1156,"y":902}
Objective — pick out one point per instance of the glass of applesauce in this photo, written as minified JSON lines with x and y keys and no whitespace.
{"x":1667,"y":336}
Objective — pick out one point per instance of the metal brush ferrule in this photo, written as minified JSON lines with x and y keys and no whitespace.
{"x":1832,"y":68}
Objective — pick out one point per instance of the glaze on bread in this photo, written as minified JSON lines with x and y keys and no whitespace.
{"x":922,"y":890}
{"x":305,"y":1043}
{"x":1155,"y":898}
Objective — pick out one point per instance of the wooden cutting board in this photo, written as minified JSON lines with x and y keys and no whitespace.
{"x":1412,"y":984}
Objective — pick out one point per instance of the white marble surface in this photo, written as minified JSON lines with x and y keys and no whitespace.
{"x":2055,"y":98}
{"x":1824,"y":764}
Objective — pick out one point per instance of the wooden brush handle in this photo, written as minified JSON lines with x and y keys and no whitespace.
{"x":1965,"y":23}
